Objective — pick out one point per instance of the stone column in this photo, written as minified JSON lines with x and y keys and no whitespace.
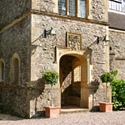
{"x":84,"y":97}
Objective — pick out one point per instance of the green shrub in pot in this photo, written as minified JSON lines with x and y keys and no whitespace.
{"x":51,"y":77}
{"x":108,"y":77}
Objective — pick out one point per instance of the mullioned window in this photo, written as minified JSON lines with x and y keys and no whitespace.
{"x":73,"y":8}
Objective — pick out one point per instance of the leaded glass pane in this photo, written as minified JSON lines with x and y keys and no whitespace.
{"x":62,"y":7}
{"x":82,"y":8}
{"x":72,"y":7}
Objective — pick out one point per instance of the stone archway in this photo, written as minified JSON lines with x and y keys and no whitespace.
{"x":74,"y":72}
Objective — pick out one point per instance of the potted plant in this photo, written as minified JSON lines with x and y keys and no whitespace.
{"x":51,"y":77}
{"x":107,"y":77}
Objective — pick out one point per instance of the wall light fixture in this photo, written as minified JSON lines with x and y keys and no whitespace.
{"x":49,"y":32}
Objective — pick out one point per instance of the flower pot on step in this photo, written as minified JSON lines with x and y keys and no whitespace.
{"x":52,"y":112}
{"x":106,"y":106}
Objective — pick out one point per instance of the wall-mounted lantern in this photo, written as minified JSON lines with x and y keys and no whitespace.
{"x":99,"y":39}
{"x":49,"y":32}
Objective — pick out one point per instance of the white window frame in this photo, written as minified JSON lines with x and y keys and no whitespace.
{"x":117,"y":5}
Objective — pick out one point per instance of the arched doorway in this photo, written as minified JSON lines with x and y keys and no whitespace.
{"x":73,"y":80}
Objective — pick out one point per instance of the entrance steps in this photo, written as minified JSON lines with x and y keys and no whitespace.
{"x":72,"y":109}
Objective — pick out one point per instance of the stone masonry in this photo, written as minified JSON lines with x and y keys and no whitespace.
{"x":22,"y":26}
{"x":118,"y":49}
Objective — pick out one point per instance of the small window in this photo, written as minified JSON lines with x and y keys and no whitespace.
{"x":74,"y":8}
{"x":15,"y":69}
{"x":1,"y":71}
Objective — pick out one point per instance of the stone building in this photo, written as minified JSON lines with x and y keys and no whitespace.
{"x":67,"y":36}
{"x":117,"y":36}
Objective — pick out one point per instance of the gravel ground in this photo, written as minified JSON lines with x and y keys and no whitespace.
{"x":88,"y":118}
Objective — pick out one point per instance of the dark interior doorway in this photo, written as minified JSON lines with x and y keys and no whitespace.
{"x":70,"y":80}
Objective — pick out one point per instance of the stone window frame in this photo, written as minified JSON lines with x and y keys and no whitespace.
{"x":77,"y":14}
{"x":2,"y":70}
{"x":13,"y":72}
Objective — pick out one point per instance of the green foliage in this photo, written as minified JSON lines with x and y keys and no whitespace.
{"x":118,"y":93}
{"x":108,"y":76}
{"x":51,"y":77}
{"x":115,"y":72}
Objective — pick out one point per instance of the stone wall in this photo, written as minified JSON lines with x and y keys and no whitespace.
{"x":16,"y":40}
{"x":43,"y":5}
{"x":99,"y":10}
{"x":118,"y":49}
{"x":37,"y":53}
{"x":14,"y":101}
{"x":10,"y":10}
{"x":43,"y":54}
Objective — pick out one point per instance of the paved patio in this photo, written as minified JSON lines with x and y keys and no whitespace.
{"x":81,"y":118}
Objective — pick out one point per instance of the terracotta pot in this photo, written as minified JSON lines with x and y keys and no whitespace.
{"x":52,"y":112}
{"x":106,"y":106}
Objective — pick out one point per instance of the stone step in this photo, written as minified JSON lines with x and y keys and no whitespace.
{"x":73,"y":110}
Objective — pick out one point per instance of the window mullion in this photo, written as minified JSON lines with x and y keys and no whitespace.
{"x":67,"y":9}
